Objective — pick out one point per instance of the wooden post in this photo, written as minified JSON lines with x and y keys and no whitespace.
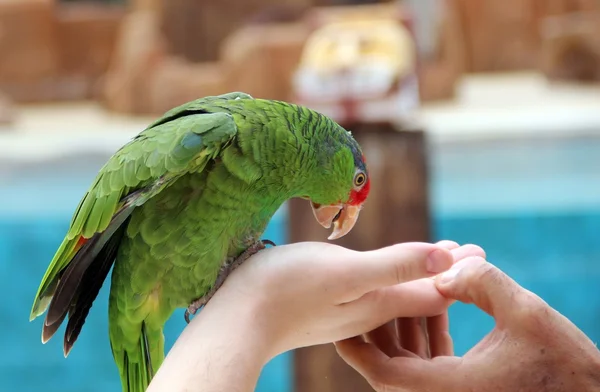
{"x":397,"y":211}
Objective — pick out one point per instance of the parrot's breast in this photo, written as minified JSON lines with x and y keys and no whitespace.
{"x":176,"y":243}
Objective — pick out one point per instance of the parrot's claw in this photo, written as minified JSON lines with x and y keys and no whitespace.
{"x":226,"y":269}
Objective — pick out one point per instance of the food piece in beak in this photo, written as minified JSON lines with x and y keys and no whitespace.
{"x":343,"y":217}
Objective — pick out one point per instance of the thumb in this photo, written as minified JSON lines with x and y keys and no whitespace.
{"x":474,"y":280}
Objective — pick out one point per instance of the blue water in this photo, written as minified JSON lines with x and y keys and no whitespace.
{"x":534,"y":207}
{"x":555,"y":256}
{"x":28,"y":365}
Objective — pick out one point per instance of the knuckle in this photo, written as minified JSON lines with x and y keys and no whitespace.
{"x":480,"y":272}
{"x":489,"y":273}
{"x":405,"y":271}
{"x":401,"y":271}
{"x":531,"y":311}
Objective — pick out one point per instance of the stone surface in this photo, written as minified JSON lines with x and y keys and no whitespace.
{"x":143,"y":79}
{"x":261,"y":59}
{"x":140,"y":49}
{"x":176,"y":81}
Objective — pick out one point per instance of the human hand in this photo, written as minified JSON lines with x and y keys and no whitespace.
{"x":300,"y":295}
{"x":420,"y":336}
{"x":314,"y":293}
{"x":531,"y":348}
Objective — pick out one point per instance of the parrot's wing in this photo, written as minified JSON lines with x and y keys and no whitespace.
{"x":183,"y":141}
{"x":198,"y":105}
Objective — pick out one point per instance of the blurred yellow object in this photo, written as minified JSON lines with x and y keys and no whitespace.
{"x":384,"y":44}
{"x":363,"y":59}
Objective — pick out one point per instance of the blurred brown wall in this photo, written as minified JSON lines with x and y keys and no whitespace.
{"x":195,"y":29}
{"x":51,"y":51}
{"x":507,"y":35}
{"x":28,"y":44}
{"x":87,"y":34}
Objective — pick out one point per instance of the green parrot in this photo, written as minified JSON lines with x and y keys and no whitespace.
{"x":183,"y":204}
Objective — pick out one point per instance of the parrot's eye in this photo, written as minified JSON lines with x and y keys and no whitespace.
{"x":359,"y":179}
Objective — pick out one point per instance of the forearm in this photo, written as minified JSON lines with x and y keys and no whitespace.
{"x":218,"y":351}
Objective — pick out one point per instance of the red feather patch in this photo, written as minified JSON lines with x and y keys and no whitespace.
{"x":80,"y":242}
{"x":359,"y":197}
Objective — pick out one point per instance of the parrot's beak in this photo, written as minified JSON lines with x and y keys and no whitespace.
{"x":343,"y":217}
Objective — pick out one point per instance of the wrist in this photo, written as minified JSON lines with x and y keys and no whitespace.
{"x":223,"y":348}
{"x":239,"y":323}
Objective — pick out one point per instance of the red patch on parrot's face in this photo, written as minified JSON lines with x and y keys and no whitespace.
{"x":357,"y":197}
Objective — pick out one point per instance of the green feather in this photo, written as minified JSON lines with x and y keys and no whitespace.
{"x":193,"y":189}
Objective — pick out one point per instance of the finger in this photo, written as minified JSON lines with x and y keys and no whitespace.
{"x":468,"y":250}
{"x":385,"y":338}
{"x":418,"y":298}
{"x":448,"y":244}
{"x":401,"y":373}
{"x":474,"y":280}
{"x":413,"y":335}
{"x":364,"y":357}
{"x":368,"y":271}
{"x":440,"y":341}
{"x":460,"y":252}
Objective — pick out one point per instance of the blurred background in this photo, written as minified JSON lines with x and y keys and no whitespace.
{"x":480,"y":120}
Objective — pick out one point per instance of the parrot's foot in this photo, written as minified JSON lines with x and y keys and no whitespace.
{"x":226,"y":269}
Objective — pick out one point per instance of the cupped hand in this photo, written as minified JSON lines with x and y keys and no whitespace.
{"x":421,"y":336}
{"x":312,"y":293}
{"x":532,"y":347}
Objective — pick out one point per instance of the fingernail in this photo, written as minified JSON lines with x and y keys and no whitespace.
{"x":437,"y":261}
{"x":449,"y":275}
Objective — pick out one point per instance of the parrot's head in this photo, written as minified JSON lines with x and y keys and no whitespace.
{"x":345,"y":185}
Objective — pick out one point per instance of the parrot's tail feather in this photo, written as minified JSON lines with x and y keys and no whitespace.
{"x":70,"y":280}
{"x":137,"y":379}
{"x":68,"y":285}
{"x":90,"y":286}
{"x":138,"y":363}
{"x":79,"y":284}
{"x":145,"y":346}
{"x":48,"y":331}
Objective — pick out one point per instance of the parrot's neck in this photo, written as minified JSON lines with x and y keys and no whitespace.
{"x":292,"y":149}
